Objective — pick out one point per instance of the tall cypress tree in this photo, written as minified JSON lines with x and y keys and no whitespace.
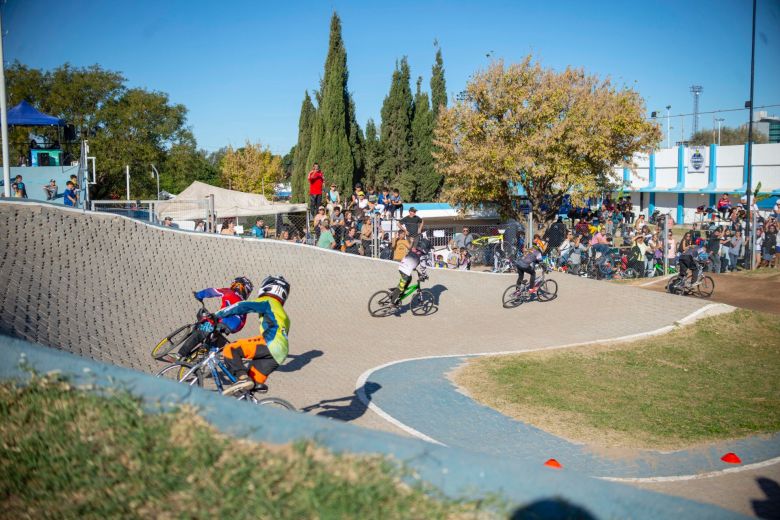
{"x":372,"y":157}
{"x":300,"y":166}
{"x":330,"y":142}
{"x":396,"y":133}
{"x":427,"y":181}
{"x":438,"y":85}
{"x":356,"y":140}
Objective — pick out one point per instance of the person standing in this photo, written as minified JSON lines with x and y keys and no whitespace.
{"x":315,"y":188}
{"x":259,"y":230}
{"x":413,"y":225}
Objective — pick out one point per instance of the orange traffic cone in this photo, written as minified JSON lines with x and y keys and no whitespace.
{"x":553,"y":464}
{"x":731,"y":458}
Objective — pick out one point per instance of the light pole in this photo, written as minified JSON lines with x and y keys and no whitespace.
{"x":4,"y":123}
{"x":719,"y":121}
{"x":668,"y":127}
{"x":156,"y":174}
{"x":750,"y":138}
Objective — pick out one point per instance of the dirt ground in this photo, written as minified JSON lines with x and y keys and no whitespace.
{"x":758,"y":291}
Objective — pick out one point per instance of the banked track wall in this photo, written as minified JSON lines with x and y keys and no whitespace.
{"x":108,"y":288}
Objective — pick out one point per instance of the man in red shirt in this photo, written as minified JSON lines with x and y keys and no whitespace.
{"x":315,"y":187}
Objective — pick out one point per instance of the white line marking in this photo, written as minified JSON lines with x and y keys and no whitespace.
{"x":717,"y":307}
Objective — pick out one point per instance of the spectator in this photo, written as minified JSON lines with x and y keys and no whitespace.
{"x":713,"y":248}
{"x":685,"y":243}
{"x":69,"y":196}
{"x":440,"y":263}
{"x":353,"y":203}
{"x":565,"y":248}
{"x":168,"y":222}
{"x":348,"y":220}
{"x":326,"y":240}
{"x":366,"y":235}
{"x":315,"y":187}
{"x":724,"y":205}
{"x":737,"y":249}
{"x":640,"y":222}
{"x":671,"y":249}
{"x":769,"y":247}
{"x":759,"y":246}
{"x":776,"y":209}
{"x":372,"y":196}
{"x":75,"y":180}
{"x":318,"y":218}
{"x":50,"y":190}
{"x":337,"y":225}
{"x":413,"y":224}
{"x":575,"y":256}
{"x":351,"y":242}
{"x":228,"y":228}
{"x":464,"y":260}
{"x":383,"y":203}
{"x":396,"y":204}
{"x":259,"y":230}
{"x":555,"y":234}
{"x":200,"y":225}
{"x":464,"y":239}
{"x":361,"y":207}
{"x":20,"y":190}
{"x":333,"y":198}
{"x":401,"y":246}
{"x":453,"y":258}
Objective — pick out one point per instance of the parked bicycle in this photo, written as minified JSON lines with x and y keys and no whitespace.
{"x":208,"y":370}
{"x":547,"y":290}
{"x":422,"y":301}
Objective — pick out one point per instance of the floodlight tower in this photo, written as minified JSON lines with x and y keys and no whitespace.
{"x":696,"y":91}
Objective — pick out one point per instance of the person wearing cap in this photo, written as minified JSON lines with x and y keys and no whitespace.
{"x":688,"y":261}
{"x":333,"y":198}
{"x":50,"y":190}
{"x":413,"y":224}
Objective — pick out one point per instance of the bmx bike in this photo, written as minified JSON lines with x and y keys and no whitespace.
{"x":422,"y":302}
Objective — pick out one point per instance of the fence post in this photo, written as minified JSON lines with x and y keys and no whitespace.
{"x":752,"y":241}
{"x":666,"y":244}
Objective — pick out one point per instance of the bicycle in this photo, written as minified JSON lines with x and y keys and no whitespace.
{"x":547,"y":290}
{"x":211,"y":370}
{"x":703,"y":287}
{"x":174,"y":340}
{"x":381,"y":305}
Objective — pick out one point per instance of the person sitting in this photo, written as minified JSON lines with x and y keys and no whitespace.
{"x":266,"y":351}
{"x":417,"y":259}
{"x":229,"y":228}
{"x":724,"y":205}
{"x":259,"y":230}
{"x":239,"y":290}
{"x":70,"y":197}
{"x":50,"y":190}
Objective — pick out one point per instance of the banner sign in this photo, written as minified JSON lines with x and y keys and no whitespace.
{"x":696,"y":159}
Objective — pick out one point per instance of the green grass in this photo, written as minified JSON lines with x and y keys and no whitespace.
{"x":716,"y":379}
{"x":68,"y":453}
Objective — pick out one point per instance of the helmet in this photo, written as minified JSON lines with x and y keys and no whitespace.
{"x":243,"y":286}
{"x":275,"y":286}
{"x":424,"y":245}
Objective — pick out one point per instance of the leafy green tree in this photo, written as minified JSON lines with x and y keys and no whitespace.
{"x":184,"y":163}
{"x":728,"y":136}
{"x":396,"y":133}
{"x":438,"y":84}
{"x":330,"y":142}
{"x":287,"y":164}
{"x":252,"y":168}
{"x":553,"y":133}
{"x":373,"y":156}
{"x":427,"y":179}
{"x":300,"y":162}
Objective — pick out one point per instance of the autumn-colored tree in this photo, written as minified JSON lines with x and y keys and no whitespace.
{"x":728,"y":136}
{"x":252,"y":169}
{"x":553,"y":133}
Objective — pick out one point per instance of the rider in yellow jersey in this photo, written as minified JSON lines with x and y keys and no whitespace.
{"x":266,"y":351}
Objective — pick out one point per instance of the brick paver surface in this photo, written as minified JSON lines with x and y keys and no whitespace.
{"x":109,"y":288}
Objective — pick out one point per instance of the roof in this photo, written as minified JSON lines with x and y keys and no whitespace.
{"x":24,"y":114}
{"x":227,"y":203}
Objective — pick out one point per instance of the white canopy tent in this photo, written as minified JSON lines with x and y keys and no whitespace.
{"x":227,"y":204}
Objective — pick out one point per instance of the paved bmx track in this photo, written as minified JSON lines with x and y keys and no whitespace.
{"x":108,"y":288}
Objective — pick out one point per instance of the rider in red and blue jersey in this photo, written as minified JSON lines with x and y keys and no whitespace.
{"x":238,"y":292}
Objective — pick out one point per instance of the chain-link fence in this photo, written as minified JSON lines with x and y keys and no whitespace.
{"x":190,"y":215}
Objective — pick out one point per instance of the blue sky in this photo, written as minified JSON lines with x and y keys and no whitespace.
{"x":242,"y":67}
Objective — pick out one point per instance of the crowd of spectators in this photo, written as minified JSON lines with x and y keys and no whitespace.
{"x":70,"y":196}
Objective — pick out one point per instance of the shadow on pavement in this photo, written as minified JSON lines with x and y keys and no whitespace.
{"x":437,"y":290}
{"x":552,"y":508}
{"x":351,"y":409}
{"x":769,"y":508}
{"x":298,"y":361}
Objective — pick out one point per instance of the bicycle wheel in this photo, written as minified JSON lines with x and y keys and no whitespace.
{"x":512,"y":297}
{"x":380,"y":304}
{"x":182,"y":373}
{"x":422,"y":303}
{"x":547,"y":291}
{"x":706,"y":287}
{"x":171,"y":341}
{"x":630,"y":273}
{"x":276,"y":402}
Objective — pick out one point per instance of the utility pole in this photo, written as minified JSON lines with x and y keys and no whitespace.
{"x":696,"y":91}
{"x":749,"y":165}
{"x":4,"y":121}
{"x":668,"y":127}
{"x":719,"y":121}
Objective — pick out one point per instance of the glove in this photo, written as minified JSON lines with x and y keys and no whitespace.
{"x":222,"y":328}
{"x":206,"y":327}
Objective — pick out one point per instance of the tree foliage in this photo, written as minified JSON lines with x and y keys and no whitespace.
{"x":252,"y":168}
{"x":302,"y":148}
{"x":438,"y":85}
{"x":396,"y":133}
{"x":373,"y":156}
{"x":330,"y":142}
{"x":553,"y":133}
{"x":728,"y":136}
{"x":427,"y":179}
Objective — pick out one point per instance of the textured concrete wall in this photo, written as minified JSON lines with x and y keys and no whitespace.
{"x":108,"y":288}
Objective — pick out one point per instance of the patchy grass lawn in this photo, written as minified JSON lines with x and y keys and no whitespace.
{"x":716,"y":379}
{"x":67,"y":453}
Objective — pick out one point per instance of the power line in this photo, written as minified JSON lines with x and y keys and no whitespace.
{"x":719,"y":111}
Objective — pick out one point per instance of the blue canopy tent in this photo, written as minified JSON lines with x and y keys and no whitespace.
{"x":24,"y":114}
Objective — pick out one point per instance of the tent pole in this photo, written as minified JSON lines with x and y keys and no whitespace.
{"x":4,"y":121}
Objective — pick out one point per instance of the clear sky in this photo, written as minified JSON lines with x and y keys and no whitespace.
{"x":242,"y":67}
